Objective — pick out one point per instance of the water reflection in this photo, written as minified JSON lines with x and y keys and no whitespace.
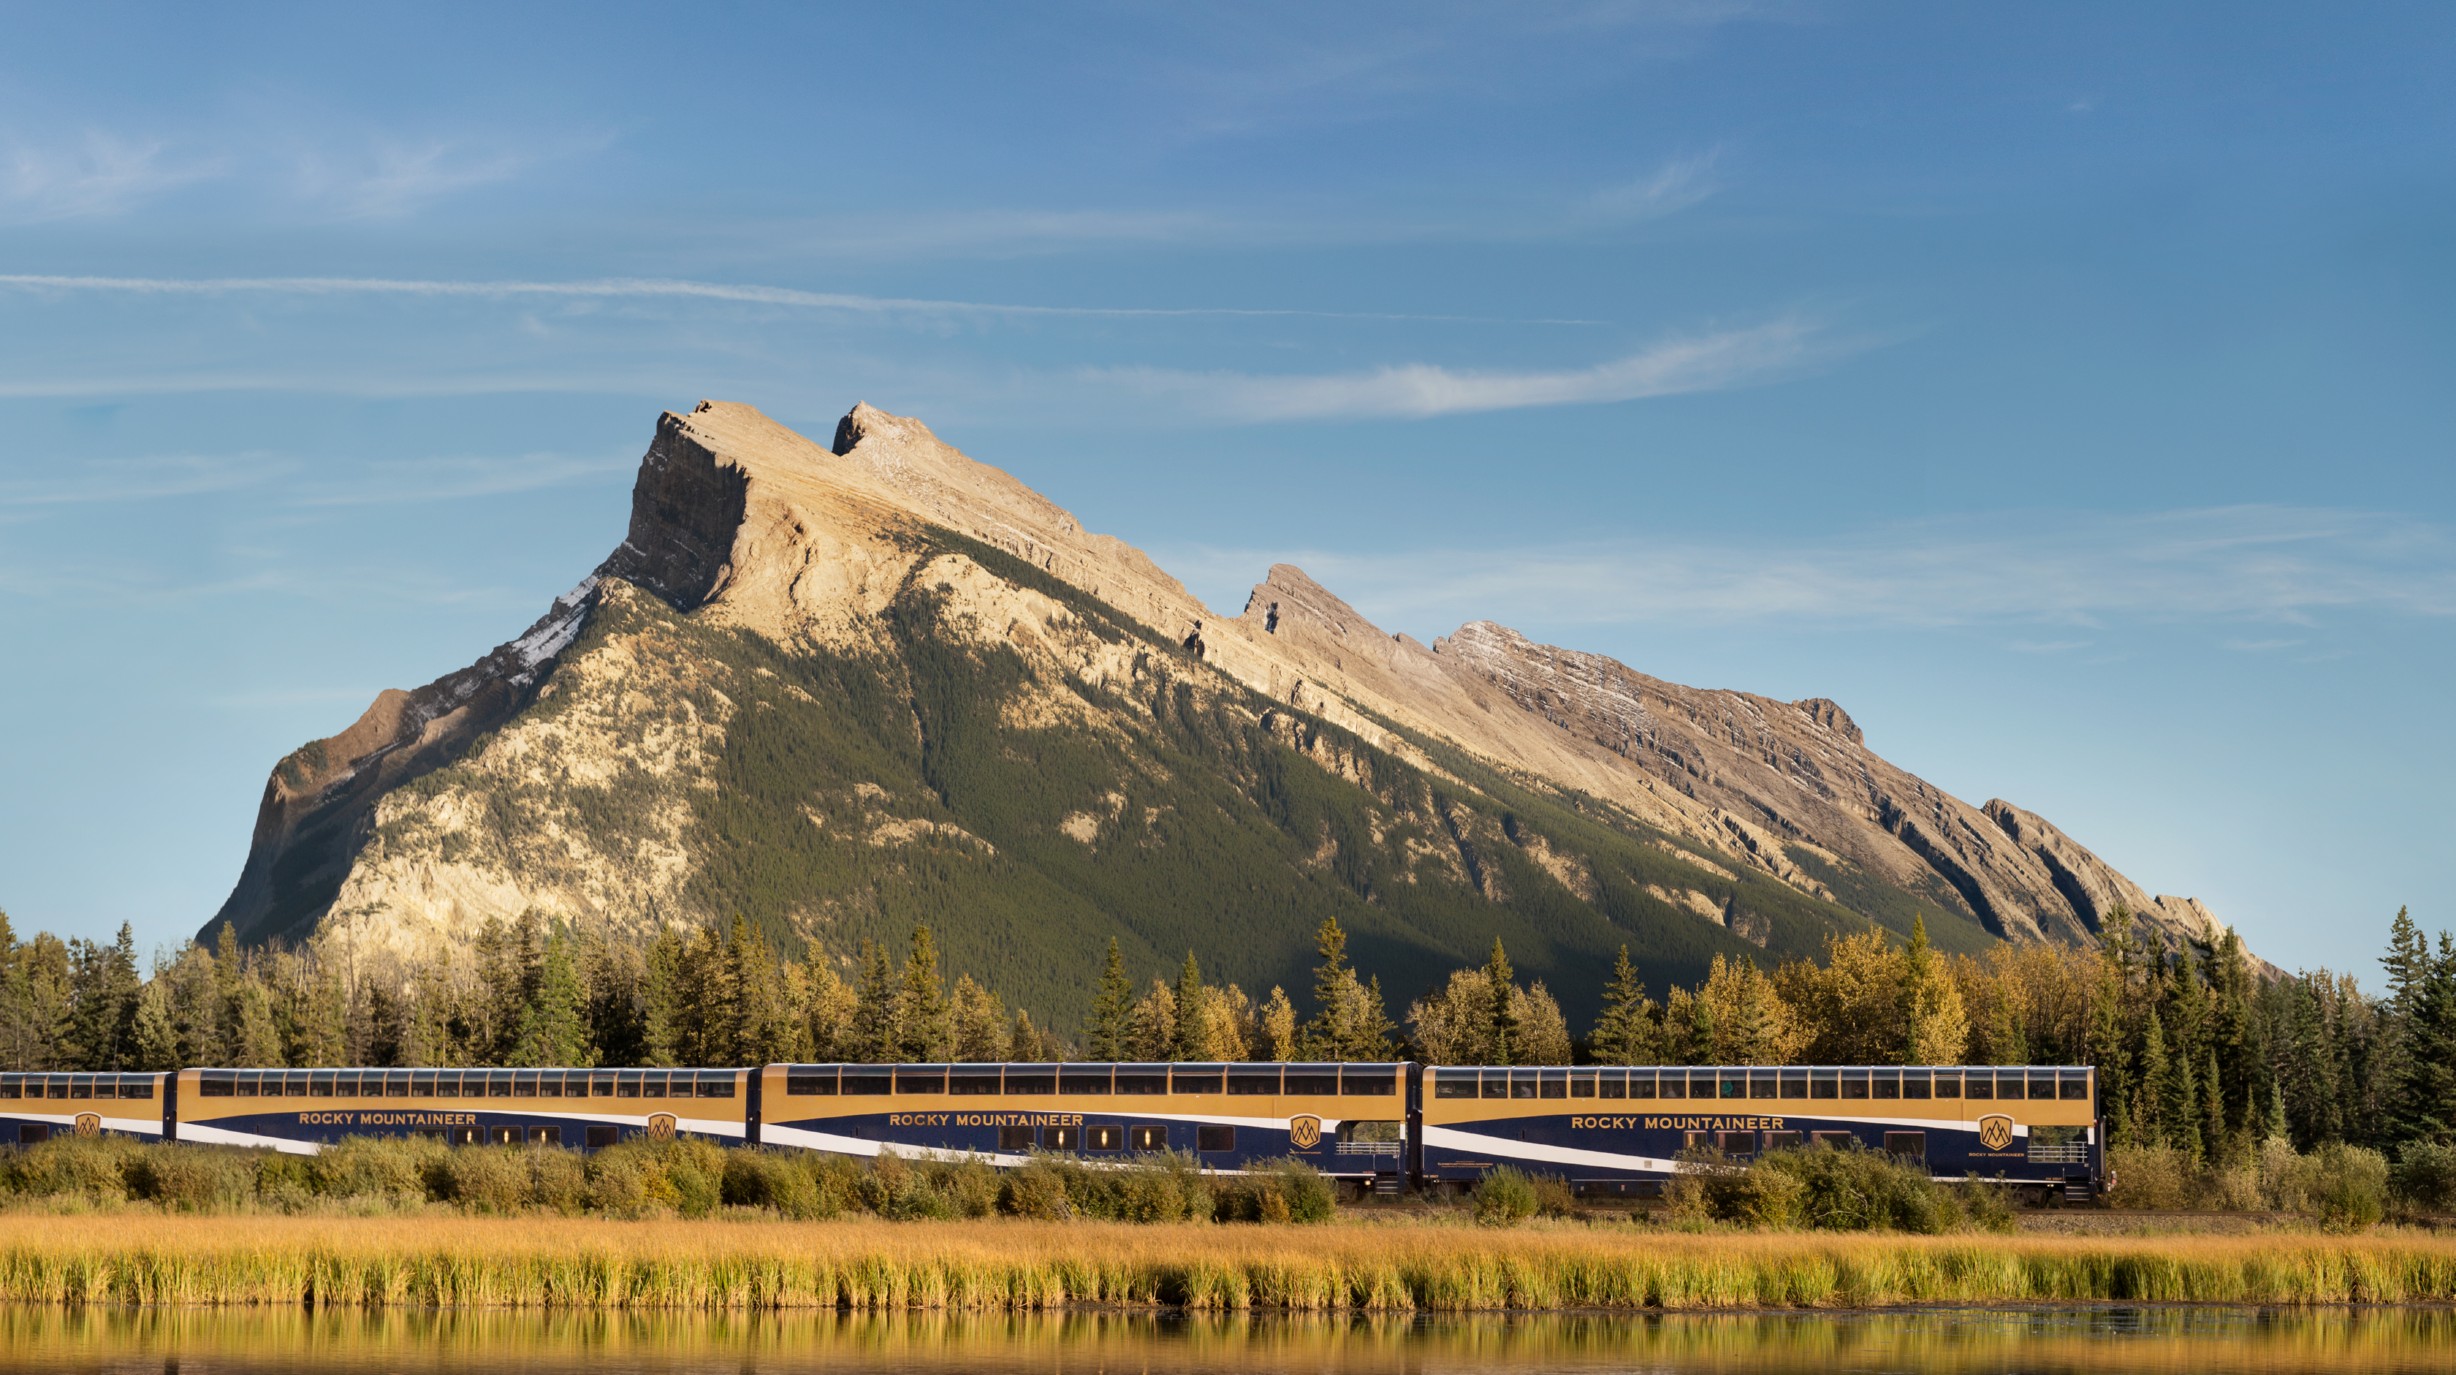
{"x":2046,"y":1342}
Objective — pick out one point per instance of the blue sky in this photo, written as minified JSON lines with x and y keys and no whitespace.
{"x":2064,"y":391}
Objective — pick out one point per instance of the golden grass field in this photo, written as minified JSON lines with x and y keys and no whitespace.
{"x":1008,"y":1265}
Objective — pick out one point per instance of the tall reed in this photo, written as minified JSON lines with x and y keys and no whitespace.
{"x":993,"y":1264}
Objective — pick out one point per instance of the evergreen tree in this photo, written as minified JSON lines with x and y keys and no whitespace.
{"x":1333,"y":1026}
{"x":1112,"y":1004}
{"x":765,"y":1029}
{"x":553,"y":1026}
{"x":2422,"y":1106}
{"x":877,"y":1035}
{"x":671,"y":1006}
{"x":1626,"y":1033}
{"x":104,"y":990}
{"x":828,"y":1010}
{"x":1192,"y":1032}
{"x":1938,"y":1030}
{"x":1501,"y":1042}
{"x":2153,"y":1116}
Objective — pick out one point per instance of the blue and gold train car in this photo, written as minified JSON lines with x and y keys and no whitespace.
{"x":1348,"y":1120}
{"x":1622,"y":1131}
{"x":37,"y":1107}
{"x":302,"y":1110}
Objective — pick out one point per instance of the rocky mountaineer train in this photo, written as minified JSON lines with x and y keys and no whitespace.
{"x":1607,"y":1130}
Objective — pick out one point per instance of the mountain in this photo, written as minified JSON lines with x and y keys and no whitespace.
{"x":841,"y":689}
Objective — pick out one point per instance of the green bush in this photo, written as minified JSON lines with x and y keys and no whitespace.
{"x":487,"y":1179}
{"x":400,"y":1171}
{"x":92,"y":1168}
{"x":1035,"y":1190}
{"x":195,"y":1179}
{"x":625,"y":1181}
{"x":1505,"y":1198}
{"x":694,"y":1174}
{"x":1857,"y":1191}
{"x":1555,"y":1197}
{"x":2343,"y":1188}
{"x":558,"y":1180}
{"x":2160,"y":1178}
{"x":969,"y":1186}
{"x":1714,"y":1188}
{"x":2424,"y":1180}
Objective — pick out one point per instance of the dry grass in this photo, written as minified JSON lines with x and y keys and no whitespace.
{"x":1007,"y":1265}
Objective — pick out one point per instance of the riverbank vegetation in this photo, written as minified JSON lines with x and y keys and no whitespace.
{"x":1012,"y":1264}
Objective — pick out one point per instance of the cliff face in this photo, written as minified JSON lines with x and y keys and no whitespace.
{"x":840,"y":689}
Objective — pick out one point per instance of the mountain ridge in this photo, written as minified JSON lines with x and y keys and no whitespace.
{"x":885,"y":553}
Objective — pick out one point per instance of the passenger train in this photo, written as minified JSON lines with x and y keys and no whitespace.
{"x":1607,"y":1130}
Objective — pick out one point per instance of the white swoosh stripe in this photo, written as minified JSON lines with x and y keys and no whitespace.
{"x":1554,"y":1155}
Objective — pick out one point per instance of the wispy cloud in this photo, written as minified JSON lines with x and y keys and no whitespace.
{"x":96,"y":175}
{"x":389,"y":180}
{"x":1708,"y":362}
{"x":2276,"y":564}
{"x":103,"y":481}
{"x":620,"y":288}
{"x":457,"y":479}
{"x":1669,"y":189}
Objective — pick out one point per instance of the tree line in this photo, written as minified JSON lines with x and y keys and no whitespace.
{"x":2197,"y":1047}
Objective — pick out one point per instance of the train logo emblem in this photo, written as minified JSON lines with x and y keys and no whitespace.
{"x":1995,"y":1131}
{"x":1305,"y":1133}
{"x":89,"y":1124}
{"x":661,"y":1126}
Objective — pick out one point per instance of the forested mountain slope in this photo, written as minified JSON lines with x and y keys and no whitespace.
{"x":840,"y":691}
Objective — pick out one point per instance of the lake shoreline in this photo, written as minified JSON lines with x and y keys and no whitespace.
{"x":1001,"y":1265}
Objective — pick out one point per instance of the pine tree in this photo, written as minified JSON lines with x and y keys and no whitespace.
{"x":1112,"y":1004}
{"x":671,"y":1004}
{"x":1626,"y":1033}
{"x":1502,"y":1040}
{"x":104,"y":988}
{"x":765,"y":1029}
{"x":1192,"y":1004}
{"x":1938,"y":1028}
{"x":553,"y":1026}
{"x":1333,"y":1024}
{"x":828,"y":1009}
{"x":2152,"y":1117}
{"x":877,"y":1036}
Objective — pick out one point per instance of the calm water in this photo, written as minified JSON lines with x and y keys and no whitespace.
{"x":2099,"y":1341}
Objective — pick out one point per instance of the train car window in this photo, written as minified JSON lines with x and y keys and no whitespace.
{"x":1910,"y":1146}
{"x":1824,"y":1083}
{"x":653,"y":1084}
{"x":2075,"y":1085}
{"x":1085,"y":1078}
{"x":1888,"y":1083}
{"x":1369,"y":1081}
{"x":546,"y":1136}
{"x":106,"y":1086}
{"x":81,"y":1086}
{"x":1103,"y":1136}
{"x":601,"y":1086}
{"x":811,"y":1083}
{"x":1581,"y":1083}
{"x":1198,"y":1079}
{"x":1915,"y":1083}
{"x":1794,"y":1083}
{"x":1734,"y":1083}
{"x":11,"y":1086}
{"x":33,"y":1133}
{"x":920,"y":1081}
{"x":345,"y":1083}
{"x":2008,"y":1084}
{"x":1214,"y":1137}
{"x":58,"y":1086}
{"x":627,"y":1084}
{"x":1697,"y":1141}
{"x":461,"y":1136}
{"x":1311,"y":1079}
{"x":320,"y":1083}
{"x":1948,"y":1083}
{"x":1450,"y":1083}
{"x":1031,"y":1078}
{"x":1553,"y":1083}
{"x":1978,"y":1083}
{"x":973,"y":1079}
{"x":1839,"y":1141}
{"x":245,"y":1085}
{"x":602,"y":1134}
{"x":1611,"y":1083}
{"x":1737,"y":1143}
{"x":136,"y":1086}
{"x":1701,"y":1083}
{"x":1674,"y":1083}
{"x":396,"y":1083}
{"x":293,"y":1084}
{"x":1060,"y":1138}
{"x":439,"y":1083}
{"x":718,"y":1084}
{"x":1496,"y":1083}
{"x":867,"y":1082}
{"x":1253,"y":1079}
{"x":1762,"y":1083}
{"x":524,"y":1083}
{"x":1854,"y":1083}
{"x":550,"y":1084}
{"x":213,"y":1084}
{"x":1523,"y":1083}
{"x":1641,"y":1083}
{"x":1146,"y":1137}
{"x":2042,"y":1083}
{"x":1782,"y":1141}
{"x":499,"y":1083}
{"x":1014,"y":1138}
{"x":1141,"y":1079}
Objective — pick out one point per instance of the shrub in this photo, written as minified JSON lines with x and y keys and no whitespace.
{"x":558,"y":1179}
{"x":195,"y":1179}
{"x":1715,"y":1189}
{"x":1505,"y":1198}
{"x":1554,"y":1197}
{"x":401,"y":1171}
{"x":2343,"y":1188}
{"x":487,"y":1179}
{"x":93,"y":1168}
{"x":624,"y":1180}
{"x":694,"y":1173}
{"x":1857,"y":1191}
{"x":1036,"y":1190}
{"x":2153,"y":1177}
{"x":2425,"y":1178}
{"x":968,"y":1186}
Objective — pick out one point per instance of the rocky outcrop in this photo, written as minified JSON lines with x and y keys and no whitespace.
{"x":742,"y":526}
